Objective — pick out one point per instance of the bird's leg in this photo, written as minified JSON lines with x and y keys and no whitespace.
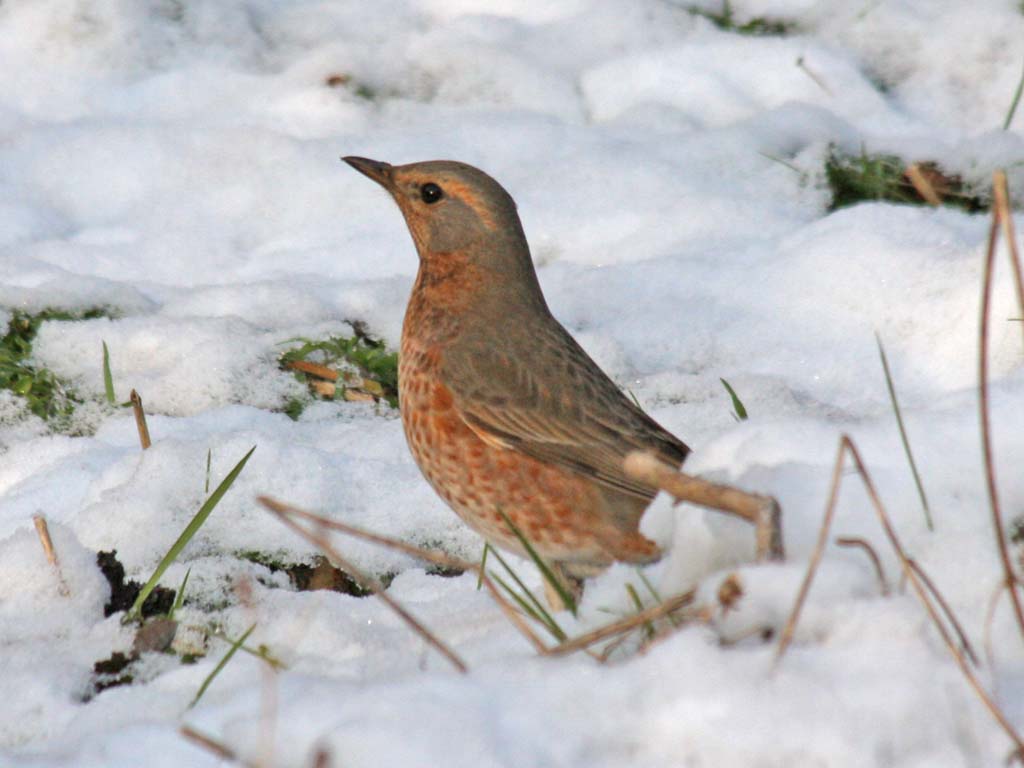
{"x":763,"y":511}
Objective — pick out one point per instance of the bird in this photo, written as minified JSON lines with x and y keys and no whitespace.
{"x":505,"y":414}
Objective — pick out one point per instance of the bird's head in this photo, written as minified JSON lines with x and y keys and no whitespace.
{"x":454,"y":210}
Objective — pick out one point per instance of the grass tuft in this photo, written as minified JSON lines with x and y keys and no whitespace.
{"x":186,"y":536}
{"x":526,"y":600}
{"x":368,"y":371}
{"x":857,"y":178}
{"x":759,"y":26}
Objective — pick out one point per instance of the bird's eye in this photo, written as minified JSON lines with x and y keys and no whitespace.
{"x":430,"y":193}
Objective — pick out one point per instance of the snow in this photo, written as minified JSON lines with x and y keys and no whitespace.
{"x":177,"y":164}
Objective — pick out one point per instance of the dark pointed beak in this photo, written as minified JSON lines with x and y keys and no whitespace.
{"x":379,"y":172}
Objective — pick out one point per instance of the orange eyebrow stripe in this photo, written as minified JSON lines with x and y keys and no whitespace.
{"x":466,"y":195}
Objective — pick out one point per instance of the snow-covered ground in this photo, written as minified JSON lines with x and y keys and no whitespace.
{"x":177,"y":163}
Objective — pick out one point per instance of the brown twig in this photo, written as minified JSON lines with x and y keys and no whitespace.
{"x":313,"y":369}
{"x":762,"y":511}
{"x":371,"y":584}
{"x":43,"y":531}
{"x":1000,"y":215}
{"x":140,"y":420}
{"x":864,"y":544}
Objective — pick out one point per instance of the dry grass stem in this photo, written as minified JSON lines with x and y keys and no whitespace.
{"x":854,"y":541}
{"x":430,"y":556}
{"x":812,"y":567}
{"x":140,"y":420}
{"x":664,"y":609}
{"x":922,"y":185}
{"x":923,"y":592}
{"x":762,"y":511}
{"x":313,"y":369}
{"x":1001,"y":219}
{"x":368,"y":583}
{"x":965,"y":644}
{"x":1001,"y":204}
{"x":628,"y":624}
{"x":43,"y":531}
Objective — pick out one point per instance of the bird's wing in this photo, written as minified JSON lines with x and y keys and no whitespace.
{"x":556,"y":406}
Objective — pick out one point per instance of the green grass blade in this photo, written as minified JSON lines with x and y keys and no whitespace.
{"x":209,"y":458}
{"x":650,"y":587}
{"x":221,"y":664}
{"x":186,"y":536}
{"x":740,"y":412}
{"x":545,"y":570}
{"x":1014,"y":103}
{"x":543,"y":618}
{"x":631,"y":591}
{"x":538,"y":610}
{"x":108,"y":379}
{"x":483,"y":564}
{"x":179,"y":598}
{"x":633,"y":398}
{"x":903,"y":434}
{"x":656,"y":595}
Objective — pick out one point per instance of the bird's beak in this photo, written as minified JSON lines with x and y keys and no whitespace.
{"x":379,"y":172}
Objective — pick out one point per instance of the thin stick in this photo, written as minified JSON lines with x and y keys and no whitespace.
{"x":1000,"y":213}
{"x":373,"y":586}
{"x":812,"y":567}
{"x":922,"y":185}
{"x":140,"y":420}
{"x":43,"y":531}
{"x":431,"y":556}
{"x":627,"y":624}
{"x":762,"y":511}
{"x":853,"y":541}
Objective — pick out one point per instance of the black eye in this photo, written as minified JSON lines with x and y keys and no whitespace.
{"x":431,"y":193}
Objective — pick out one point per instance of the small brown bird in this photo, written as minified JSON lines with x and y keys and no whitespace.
{"x":504,"y":412}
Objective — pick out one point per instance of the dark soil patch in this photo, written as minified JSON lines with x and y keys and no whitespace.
{"x":123,"y":593}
